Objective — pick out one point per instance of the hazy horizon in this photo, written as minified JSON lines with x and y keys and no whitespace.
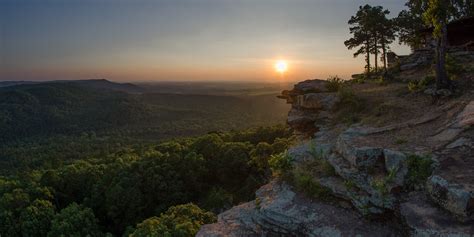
{"x":184,"y":40}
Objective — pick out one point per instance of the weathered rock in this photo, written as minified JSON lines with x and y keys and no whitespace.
{"x":451,"y":197}
{"x":358,"y":156}
{"x":317,"y":101}
{"x":395,"y":162}
{"x":363,"y":181}
{"x":281,"y":212}
{"x":345,"y":190}
{"x":425,"y":219}
{"x":310,"y":102}
{"x":444,"y":92}
{"x":463,"y":121}
{"x":460,"y":142}
{"x":309,"y":86}
{"x":419,"y":58}
{"x":466,"y":117}
{"x":297,"y":117}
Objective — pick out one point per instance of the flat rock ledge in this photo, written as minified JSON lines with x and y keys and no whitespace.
{"x":278,"y":211}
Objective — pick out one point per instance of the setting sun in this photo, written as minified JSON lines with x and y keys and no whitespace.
{"x":281,"y":66}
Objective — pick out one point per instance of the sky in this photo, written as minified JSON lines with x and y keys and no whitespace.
{"x":185,"y":40}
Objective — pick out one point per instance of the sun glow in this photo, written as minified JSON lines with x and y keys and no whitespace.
{"x":281,"y":66}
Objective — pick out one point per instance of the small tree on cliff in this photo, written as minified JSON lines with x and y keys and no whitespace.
{"x":361,"y":34}
{"x":385,"y":31}
{"x":372,"y":32}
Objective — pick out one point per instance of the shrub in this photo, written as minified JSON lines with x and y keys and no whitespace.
{"x":381,"y":80}
{"x":400,"y":141}
{"x":318,"y":165}
{"x":281,"y":164}
{"x":419,"y":169}
{"x":305,"y":183}
{"x":453,"y":68}
{"x":334,"y":83}
{"x":314,"y":152}
{"x":414,"y":86}
{"x":349,"y":184}
{"x":359,"y":79}
{"x":380,"y":185}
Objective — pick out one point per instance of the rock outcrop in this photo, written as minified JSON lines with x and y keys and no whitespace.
{"x":311,"y":103}
{"x":372,"y":185}
{"x":425,"y":57}
{"x":279,"y":211}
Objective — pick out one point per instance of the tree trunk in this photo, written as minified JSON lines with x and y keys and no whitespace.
{"x":442,"y":80}
{"x":367,"y":48}
{"x":376,"y":54}
{"x":384,"y":55}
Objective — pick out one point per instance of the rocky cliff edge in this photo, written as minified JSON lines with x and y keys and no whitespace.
{"x":378,"y":158}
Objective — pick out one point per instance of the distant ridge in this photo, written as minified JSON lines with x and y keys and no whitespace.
{"x":89,"y":83}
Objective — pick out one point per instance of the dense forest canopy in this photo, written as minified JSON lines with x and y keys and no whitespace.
{"x":77,"y":160}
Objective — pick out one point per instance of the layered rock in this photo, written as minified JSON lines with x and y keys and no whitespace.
{"x":279,"y":211}
{"x":311,"y":103}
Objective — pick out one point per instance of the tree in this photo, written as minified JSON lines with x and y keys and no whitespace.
{"x":360,"y":29}
{"x":410,"y":22}
{"x":372,"y":31}
{"x":178,"y":221}
{"x":35,"y":220}
{"x":74,"y":221}
{"x":385,"y":31}
{"x":437,"y":15}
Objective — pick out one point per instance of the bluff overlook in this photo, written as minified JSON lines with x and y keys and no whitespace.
{"x":373,"y":159}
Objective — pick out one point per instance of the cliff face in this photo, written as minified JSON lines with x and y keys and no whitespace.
{"x":378,"y":187}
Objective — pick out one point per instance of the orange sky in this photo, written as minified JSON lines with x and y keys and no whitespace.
{"x":179,"y":40}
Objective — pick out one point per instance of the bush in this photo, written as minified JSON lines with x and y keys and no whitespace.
{"x":419,"y":169}
{"x":414,"y":86}
{"x":381,"y":80}
{"x":334,"y":83}
{"x":453,"y":68}
{"x":359,"y":78}
{"x":281,"y":164}
{"x":305,"y":183}
{"x":318,"y":165}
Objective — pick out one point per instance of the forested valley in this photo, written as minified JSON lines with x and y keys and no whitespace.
{"x":78,"y":161}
